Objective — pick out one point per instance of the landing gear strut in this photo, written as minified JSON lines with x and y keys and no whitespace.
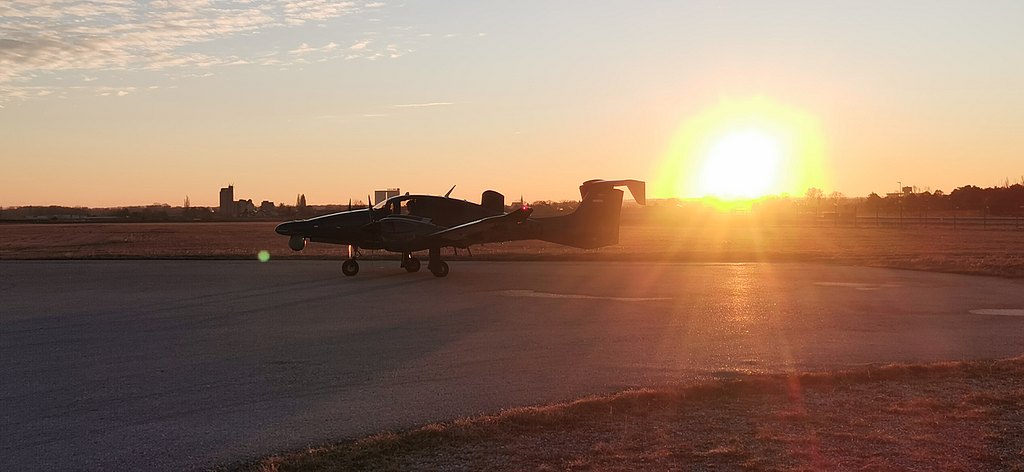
{"x":437,"y":267}
{"x":350,"y":267}
{"x":410,"y":262}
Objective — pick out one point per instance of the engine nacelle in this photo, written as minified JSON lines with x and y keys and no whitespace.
{"x":296,"y":242}
{"x":493,"y":200}
{"x":404,"y":233}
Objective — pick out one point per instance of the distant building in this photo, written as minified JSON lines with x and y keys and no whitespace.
{"x":267,"y":208}
{"x":227,"y":201}
{"x":245,"y":208}
{"x":381,"y":195}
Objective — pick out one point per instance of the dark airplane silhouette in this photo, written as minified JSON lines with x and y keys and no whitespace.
{"x":409,"y":223}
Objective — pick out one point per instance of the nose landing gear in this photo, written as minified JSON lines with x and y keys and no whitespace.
{"x":350,"y":267}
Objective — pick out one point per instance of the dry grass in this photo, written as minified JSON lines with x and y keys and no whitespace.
{"x":948,"y":416}
{"x":965,"y":251}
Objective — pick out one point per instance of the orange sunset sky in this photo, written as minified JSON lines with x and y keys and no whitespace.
{"x":108,"y":103}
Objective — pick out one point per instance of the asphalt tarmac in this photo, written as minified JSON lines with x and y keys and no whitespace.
{"x":176,"y":365}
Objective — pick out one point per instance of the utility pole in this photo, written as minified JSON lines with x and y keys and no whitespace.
{"x":899,"y":200}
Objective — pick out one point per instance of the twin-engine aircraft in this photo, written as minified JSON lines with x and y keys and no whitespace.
{"x":410,"y":223}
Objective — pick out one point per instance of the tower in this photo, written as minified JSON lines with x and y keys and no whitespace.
{"x":227,"y":201}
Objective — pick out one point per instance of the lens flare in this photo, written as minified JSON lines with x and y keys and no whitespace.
{"x":263,"y":255}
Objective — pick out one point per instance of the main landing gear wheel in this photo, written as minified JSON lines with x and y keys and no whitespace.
{"x":440,"y":269}
{"x":350,"y":267}
{"x":412,"y":264}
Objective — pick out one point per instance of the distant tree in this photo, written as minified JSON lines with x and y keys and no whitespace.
{"x":968,"y":197}
{"x":1006,"y":201}
{"x":873,"y":202}
{"x":814,"y":195}
{"x":836,"y":197}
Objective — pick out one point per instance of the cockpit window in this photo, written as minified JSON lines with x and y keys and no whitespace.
{"x":400,"y":202}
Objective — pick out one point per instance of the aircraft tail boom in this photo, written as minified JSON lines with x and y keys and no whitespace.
{"x":595,"y":223}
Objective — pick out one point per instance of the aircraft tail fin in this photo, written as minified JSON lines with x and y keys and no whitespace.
{"x":595,"y":223}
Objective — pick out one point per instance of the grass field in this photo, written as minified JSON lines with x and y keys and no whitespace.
{"x":975,"y":251}
{"x":956,"y":416}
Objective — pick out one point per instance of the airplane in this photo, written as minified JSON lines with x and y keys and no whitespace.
{"x":409,"y":223}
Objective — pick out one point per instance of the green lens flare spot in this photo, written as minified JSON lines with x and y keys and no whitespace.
{"x":263,"y":255}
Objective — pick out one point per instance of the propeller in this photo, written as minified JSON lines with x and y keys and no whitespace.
{"x":369,"y":207}
{"x":349,"y":204}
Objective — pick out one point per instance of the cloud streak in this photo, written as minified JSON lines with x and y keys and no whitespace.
{"x":422,"y":105}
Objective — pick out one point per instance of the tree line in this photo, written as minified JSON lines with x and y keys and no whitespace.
{"x":1006,"y":200}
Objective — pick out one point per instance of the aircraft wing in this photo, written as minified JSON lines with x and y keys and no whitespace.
{"x":485,"y":230}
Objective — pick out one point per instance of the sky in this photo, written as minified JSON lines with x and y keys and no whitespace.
{"x":110,"y":103}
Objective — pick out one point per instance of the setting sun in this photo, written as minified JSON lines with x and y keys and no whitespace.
{"x":742,"y":149}
{"x":741,"y":164}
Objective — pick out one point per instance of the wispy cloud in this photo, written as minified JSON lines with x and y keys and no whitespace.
{"x":52,"y":36}
{"x":420,"y":105}
{"x":115,"y":91}
{"x":304,"y":49}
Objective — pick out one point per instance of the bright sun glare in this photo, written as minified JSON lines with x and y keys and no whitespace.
{"x":741,"y":164}
{"x":743,"y":149}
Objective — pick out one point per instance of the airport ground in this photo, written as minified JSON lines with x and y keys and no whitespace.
{"x":171,"y":365}
{"x":750,"y":246}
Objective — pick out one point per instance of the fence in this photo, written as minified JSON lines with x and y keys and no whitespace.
{"x":951,"y":222}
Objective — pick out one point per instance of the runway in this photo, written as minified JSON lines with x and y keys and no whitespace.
{"x":170,"y":365}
